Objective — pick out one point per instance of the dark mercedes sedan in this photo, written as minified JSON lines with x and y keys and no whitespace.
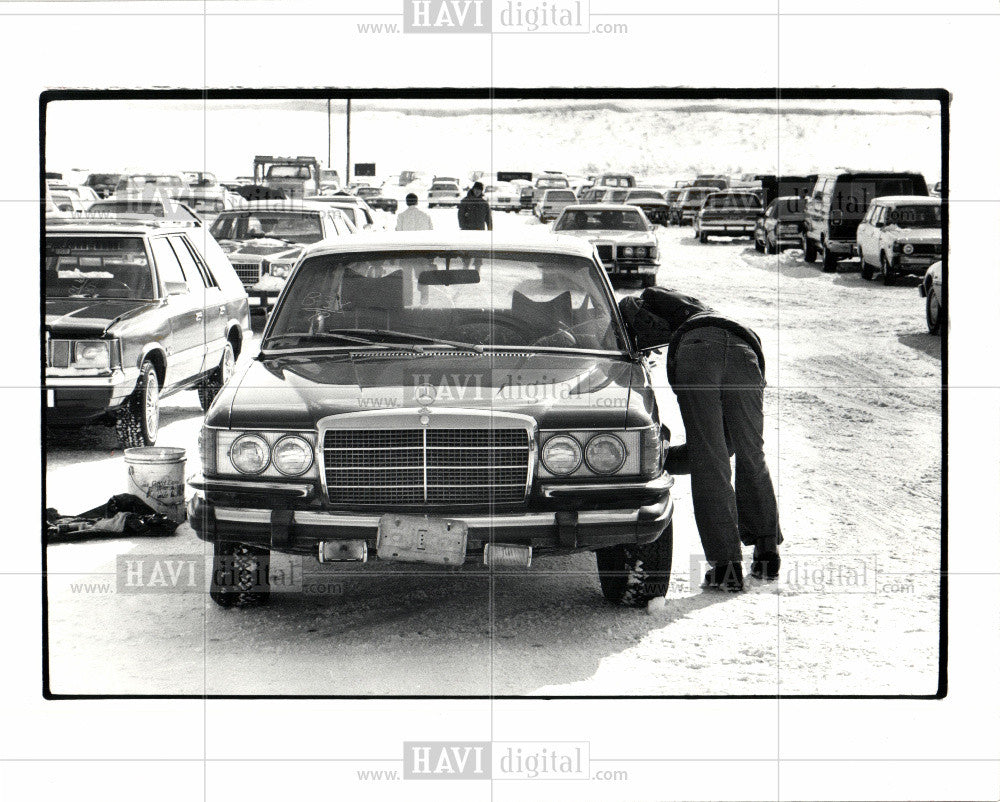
{"x":439,"y":399}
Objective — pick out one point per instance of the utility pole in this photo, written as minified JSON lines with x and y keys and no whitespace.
{"x":329,"y":136}
{"x":347,"y":168}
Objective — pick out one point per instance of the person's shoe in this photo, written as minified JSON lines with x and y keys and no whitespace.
{"x":725,"y":576}
{"x":766,"y":560}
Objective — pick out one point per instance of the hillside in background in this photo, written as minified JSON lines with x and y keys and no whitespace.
{"x":652,"y":139}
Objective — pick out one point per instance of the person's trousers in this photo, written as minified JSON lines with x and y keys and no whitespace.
{"x":720,"y":392}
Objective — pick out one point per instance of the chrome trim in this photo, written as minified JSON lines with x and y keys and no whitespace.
{"x":370,"y":520}
{"x":199,"y":482}
{"x":115,"y":378}
{"x":663,"y":482}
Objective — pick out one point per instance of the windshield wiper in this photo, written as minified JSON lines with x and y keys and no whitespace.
{"x":405,"y":335}
{"x":335,"y":337}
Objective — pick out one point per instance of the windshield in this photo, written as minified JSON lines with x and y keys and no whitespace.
{"x":300,"y":228}
{"x":479,"y":298}
{"x":732,"y":201}
{"x":615,"y":181}
{"x":97,"y":267}
{"x":788,"y":208}
{"x":288,"y":171}
{"x":672,"y":195}
{"x":600,"y":219}
{"x":916,"y":216}
{"x":696,"y":195}
{"x":210,"y":205}
{"x":102,"y":179}
{"x":546,"y":183}
{"x":444,"y":188}
{"x":153,"y":180}
{"x":852,"y":195}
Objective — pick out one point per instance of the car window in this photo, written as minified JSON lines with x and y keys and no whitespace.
{"x":914,"y":215}
{"x":877,"y":216}
{"x":556,"y":195}
{"x":600,"y":219}
{"x":97,"y":267}
{"x":202,"y":262}
{"x":167,"y":266}
{"x":192,"y":270}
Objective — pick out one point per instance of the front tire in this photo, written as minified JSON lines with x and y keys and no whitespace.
{"x":758,"y":245}
{"x":702,"y":237}
{"x":829,"y":261}
{"x":631,"y":575}
{"x":888,"y":275}
{"x":770,"y":248}
{"x":935,"y":311}
{"x":210,"y":387}
{"x":240,"y":575}
{"x":138,"y":421}
{"x":810,"y":251}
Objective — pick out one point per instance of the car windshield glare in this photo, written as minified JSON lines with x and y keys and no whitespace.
{"x":513,"y":300}
{"x":916,"y":216}
{"x":97,"y":267}
{"x":302,"y":228}
{"x":600,"y":219}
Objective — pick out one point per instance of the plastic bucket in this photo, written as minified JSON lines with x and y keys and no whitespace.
{"x":156,"y":475}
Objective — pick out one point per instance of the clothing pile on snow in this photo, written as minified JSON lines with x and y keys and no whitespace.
{"x":124,"y":515}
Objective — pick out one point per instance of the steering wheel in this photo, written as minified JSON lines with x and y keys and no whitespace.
{"x":503,"y":328}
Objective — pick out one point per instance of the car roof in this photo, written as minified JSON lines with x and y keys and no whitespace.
{"x":541,"y":242}
{"x":910,"y":200}
{"x":121,"y":225}
{"x":283,"y":206}
{"x":602,"y":207}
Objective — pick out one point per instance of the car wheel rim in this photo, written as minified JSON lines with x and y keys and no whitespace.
{"x":152,"y":405}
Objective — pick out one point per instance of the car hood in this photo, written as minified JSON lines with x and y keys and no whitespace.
{"x":557,"y":390}
{"x":914,"y":235}
{"x":89,"y":316}
{"x":610,"y":234}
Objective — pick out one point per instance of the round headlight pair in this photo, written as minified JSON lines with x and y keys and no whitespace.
{"x":907,"y":249}
{"x":291,"y":455}
{"x":628,"y":252}
{"x":562,"y":454}
{"x":640,"y":251}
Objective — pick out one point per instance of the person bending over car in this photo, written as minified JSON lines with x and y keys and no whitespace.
{"x":716,"y":369}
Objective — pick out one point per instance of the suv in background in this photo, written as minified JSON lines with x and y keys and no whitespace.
{"x":899,"y":235}
{"x":135,"y":311}
{"x":837,"y":205}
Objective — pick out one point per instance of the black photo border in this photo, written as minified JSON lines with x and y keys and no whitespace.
{"x":608,"y":94}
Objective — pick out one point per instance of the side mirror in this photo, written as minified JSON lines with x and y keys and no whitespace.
{"x":177,"y":287}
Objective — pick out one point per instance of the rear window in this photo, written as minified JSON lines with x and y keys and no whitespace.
{"x":788,"y":207}
{"x":444,"y":187}
{"x":556,"y":195}
{"x":852,"y":195}
{"x":288,"y":171}
{"x":546,"y":183}
{"x":646,"y":194}
{"x":102,"y":179}
{"x":733,"y":201}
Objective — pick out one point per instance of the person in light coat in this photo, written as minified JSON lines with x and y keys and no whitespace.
{"x":411,"y":218}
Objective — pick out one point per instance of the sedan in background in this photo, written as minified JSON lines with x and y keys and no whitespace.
{"x":552,"y":202}
{"x":443,"y":193}
{"x":656,"y":209}
{"x":265,"y":239}
{"x":624,"y":239}
{"x":728,"y":214}
{"x":781,"y":226}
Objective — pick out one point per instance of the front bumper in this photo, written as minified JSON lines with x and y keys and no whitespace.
{"x":79,"y":399}
{"x":262,"y":299}
{"x":915,"y":264}
{"x":566,"y":518}
{"x":632,"y":268}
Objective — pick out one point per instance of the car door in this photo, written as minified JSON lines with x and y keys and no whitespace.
{"x":213,"y":303}
{"x":864,"y":235}
{"x":874,"y":243}
{"x":186,"y":348}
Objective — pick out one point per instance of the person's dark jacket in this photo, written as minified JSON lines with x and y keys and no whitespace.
{"x":474,"y":213}
{"x":660,"y":315}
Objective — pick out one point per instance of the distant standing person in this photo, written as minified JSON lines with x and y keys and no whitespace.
{"x":474,"y":210}
{"x":411,"y":218}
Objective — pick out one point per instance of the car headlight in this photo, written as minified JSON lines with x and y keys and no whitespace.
{"x":561,"y":455}
{"x":627,"y":252}
{"x":281,"y":269}
{"x":907,"y":249}
{"x":292,"y":456}
{"x":605,"y":453}
{"x":640,"y":252}
{"x":92,"y":354}
{"x":652,"y":252}
{"x":250,"y":453}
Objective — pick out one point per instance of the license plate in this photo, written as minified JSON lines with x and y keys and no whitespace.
{"x":421,"y":539}
{"x":50,"y":398}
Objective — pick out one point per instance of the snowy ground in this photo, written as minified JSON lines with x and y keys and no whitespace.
{"x":854,"y":443}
